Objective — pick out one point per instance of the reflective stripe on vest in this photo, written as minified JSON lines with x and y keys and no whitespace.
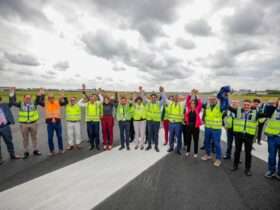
{"x":123,"y":112}
{"x":139,"y":112}
{"x":52,"y":110}
{"x":228,"y":120}
{"x":213,"y":117}
{"x":93,"y":112}
{"x":175,"y":113}
{"x":242,"y":125}
{"x":25,"y":116}
{"x":73,"y":113}
{"x":273,"y":124}
{"x":153,"y":112}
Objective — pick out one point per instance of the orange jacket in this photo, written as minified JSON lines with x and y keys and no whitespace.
{"x":52,"y":110}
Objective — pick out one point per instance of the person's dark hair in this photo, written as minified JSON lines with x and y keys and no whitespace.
{"x":153,"y":94}
{"x":139,"y":98}
{"x":0,"y":98}
{"x":247,"y":100}
{"x":256,"y":100}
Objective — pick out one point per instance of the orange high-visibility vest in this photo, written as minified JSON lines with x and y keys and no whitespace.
{"x":52,"y":110}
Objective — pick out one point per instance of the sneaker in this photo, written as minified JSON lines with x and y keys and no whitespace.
{"x":37,"y":153}
{"x":104,"y":147}
{"x":269,"y":174}
{"x":110,"y":147}
{"x":195,"y":156}
{"x":142,"y":147}
{"x":61,"y":152}
{"x":277,"y":176}
{"x":202,"y":148}
{"x":206,"y":157}
{"x":71,"y":147}
{"x":78,"y":147}
{"x":121,"y":148}
{"x":25,"y":155}
{"x":15,"y":157}
{"x":52,"y":154}
{"x":248,"y":172}
{"x":127,"y":148}
{"x":156,"y":148}
{"x":136,"y":147}
{"x":178,"y":152}
{"x":165,"y":143}
{"x":226,"y":157}
{"x":187,"y":154}
{"x":217,"y":163}
{"x":97,"y":147}
{"x":234,"y":168}
{"x":91,"y":147}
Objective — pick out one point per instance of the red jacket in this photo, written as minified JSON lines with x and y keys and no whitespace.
{"x":198,"y":109}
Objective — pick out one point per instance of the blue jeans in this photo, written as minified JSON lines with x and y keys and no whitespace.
{"x":215,"y":136}
{"x":93,"y":133}
{"x":273,"y":148}
{"x":175,"y":129}
{"x":51,"y":128}
{"x":6,"y":134}
{"x":153,"y":129}
{"x":124,"y":132}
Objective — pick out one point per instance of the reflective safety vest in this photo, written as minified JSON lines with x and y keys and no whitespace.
{"x":124,"y":112}
{"x":175,"y":112}
{"x":139,"y":112}
{"x":228,"y":120}
{"x":214,"y":117}
{"x":249,"y":125}
{"x":73,"y":112}
{"x":273,"y":124}
{"x":93,"y":111}
{"x":52,"y":110}
{"x":153,"y":112}
{"x":28,"y":116}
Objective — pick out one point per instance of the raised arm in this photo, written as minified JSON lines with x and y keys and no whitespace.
{"x":13,"y":98}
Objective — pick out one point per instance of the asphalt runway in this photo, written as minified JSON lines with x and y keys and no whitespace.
{"x":162,"y":181}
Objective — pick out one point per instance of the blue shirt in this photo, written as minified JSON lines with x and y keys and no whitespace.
{"x":3,"y":119}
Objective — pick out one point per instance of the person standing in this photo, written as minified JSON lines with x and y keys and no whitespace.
{"x":175,"y":112}
{"x":6,"y":120}
{"x":259,"y":107}
{"x":272,"y":131}
{"x":124,"y":114}
{"x":193,"y":121}
{"x":73,"y":124}
{"x":228,"y":124}
{"x":107,"y":122}
{"x":153,"y":120}
{"x":245,"y":129}
{"x":213,"y":118}
{"x":53,"y":118}
{"x":164,"y":114}
{"x":93,"y":113}
{"x":139,"y":122}
{"x":28,"y":117}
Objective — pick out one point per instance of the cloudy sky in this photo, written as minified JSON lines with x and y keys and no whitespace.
{"x":121,"y":44}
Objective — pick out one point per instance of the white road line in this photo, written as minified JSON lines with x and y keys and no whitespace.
{"x":81,"y":185}
{"x":85,"y":184}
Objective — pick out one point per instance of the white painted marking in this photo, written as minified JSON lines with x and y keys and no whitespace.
{"x":81,"y":185}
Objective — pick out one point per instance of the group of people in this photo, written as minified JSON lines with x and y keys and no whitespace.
{"x":139,"y":119}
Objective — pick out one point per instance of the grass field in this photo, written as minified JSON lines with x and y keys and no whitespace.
{"x":20,"y":93}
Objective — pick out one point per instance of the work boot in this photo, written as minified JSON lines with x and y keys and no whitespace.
{"x":156,"y":148}
{"x":148,"y":147}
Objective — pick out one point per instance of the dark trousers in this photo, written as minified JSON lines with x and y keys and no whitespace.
{"x":131,"y":130}
{"x":192,"y":133}
{"x":93,"y":133}
{"x":185,"y":134}
{"x":153,"y":129}
{"x":273,"y":148}
{"x":175,"y":129}
{"x":57,"y":128}
{"x":241,"y":138}
{"x":260,"y":132}
{"x":6,"y":134}
{"x":124,"y":132}
{"x":230,"y":139}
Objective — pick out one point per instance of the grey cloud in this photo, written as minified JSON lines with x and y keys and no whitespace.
{"x":150,"y":30}
{"x":61,"y":66}
{"x":199,"y":27}
{"x":22,"y":59}
{"x":49,"y":72}
{"x":186,"y":44}
{"x":25,"y":11}
{"x":220,"y":59}
{"x":119,"y":68}
{"x":238,"y":47}
{"x":246,"y":20}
